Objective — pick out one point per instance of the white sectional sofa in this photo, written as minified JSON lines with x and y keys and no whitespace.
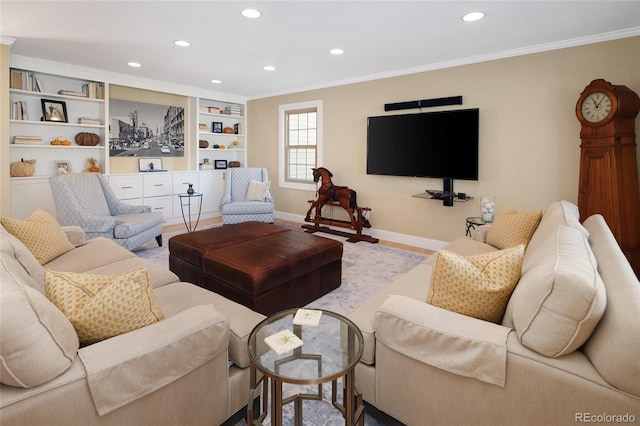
{"x":566,"y":352}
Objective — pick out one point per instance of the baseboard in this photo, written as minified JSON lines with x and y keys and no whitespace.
{"x":394,"y":237}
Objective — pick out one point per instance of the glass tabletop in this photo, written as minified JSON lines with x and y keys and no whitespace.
{"x":328,"y":351}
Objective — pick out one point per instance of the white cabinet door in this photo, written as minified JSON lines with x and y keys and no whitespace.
{"x":211,"y":185}
{"x":156,"y":184}
{"x":160,"y":204}
{"x":29,"y":194}
{"x":126,"y":187}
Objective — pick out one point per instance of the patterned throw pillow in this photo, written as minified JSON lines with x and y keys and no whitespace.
{"x":103,"y":306}
{"x":257,"y":191}
{"x":511,"y":228}
{"x":478,"y":286}
{"x":41,"y":234}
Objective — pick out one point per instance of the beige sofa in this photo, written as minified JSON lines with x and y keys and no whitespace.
{"x":559,"y":357}
{"x":189,"y":368}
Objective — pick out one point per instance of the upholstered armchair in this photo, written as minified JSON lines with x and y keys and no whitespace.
{"x":86,"y":200}
{"x":247,"y":196}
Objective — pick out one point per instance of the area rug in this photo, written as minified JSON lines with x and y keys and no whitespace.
{"x":366,"y":269}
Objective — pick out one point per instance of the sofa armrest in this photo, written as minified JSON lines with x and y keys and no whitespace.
{"x":126,"y":367}
{"x":480,"y":233}
{"x":447,"y":340}
{"x":75,"y":234}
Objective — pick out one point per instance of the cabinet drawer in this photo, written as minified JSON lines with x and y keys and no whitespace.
{"x":126,"y":186}
{"x":157,"y":184}
{"x":160,"y":204}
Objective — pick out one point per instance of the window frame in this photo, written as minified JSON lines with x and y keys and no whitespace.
{"x":283,"y":110}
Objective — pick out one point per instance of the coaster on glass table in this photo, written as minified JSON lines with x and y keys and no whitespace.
{"x":310,"y":317}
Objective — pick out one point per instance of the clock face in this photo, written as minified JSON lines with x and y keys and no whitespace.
{"x":596,"y":107}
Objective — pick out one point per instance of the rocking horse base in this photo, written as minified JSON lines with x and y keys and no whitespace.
{"x":351,"y":237}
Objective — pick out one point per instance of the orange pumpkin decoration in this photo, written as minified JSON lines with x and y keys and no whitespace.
{"x":228,"y":130}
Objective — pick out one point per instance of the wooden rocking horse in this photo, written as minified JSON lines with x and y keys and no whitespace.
{"x":341,"y":196}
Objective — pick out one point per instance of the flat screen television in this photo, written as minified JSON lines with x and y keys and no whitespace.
{"x":441,"y":144}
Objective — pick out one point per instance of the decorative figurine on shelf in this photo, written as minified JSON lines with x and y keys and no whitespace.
{"x":190,"y":190}
{"x":151,"y":166}
{"x":92,"y":165}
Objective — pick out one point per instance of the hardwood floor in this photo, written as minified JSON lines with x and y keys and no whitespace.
{"x":216,"y":220}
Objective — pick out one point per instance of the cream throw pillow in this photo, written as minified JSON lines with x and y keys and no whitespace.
{"x":257,"y":191}
{"x":478,"y":286}
{"x":511,"y":228}
{"x":41,"y":234}
{"x":103,"y":306}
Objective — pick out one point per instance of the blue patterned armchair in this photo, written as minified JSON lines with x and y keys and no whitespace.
{"x":247,"y":196}
{"x":86,"y":200}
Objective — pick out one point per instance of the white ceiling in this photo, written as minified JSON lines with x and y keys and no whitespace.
{"x":380,"y":38}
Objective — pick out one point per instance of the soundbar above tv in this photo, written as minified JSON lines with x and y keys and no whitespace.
{"x":441,"y":144}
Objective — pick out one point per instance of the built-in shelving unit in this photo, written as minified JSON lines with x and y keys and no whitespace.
{"x":214,"y":117}
{"x":27,"y":92}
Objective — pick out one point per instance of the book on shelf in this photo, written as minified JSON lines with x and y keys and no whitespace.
{"x":283,"y":341}
{"x":27,"y":140}
{"x":93,"y":90}
{"x":213,"y":109}
{"x":72,"y":93}
{"x":232,"y":110}
{"x":24,"y":80}
{"x":89,"y":120}
{"x":19,"y":111}
{"x":310,"y":317}
{"x":203,"y":126}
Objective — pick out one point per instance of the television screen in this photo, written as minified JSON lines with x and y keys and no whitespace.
{"x":435,"y":144}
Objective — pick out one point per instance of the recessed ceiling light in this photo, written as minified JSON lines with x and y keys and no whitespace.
{"x":182,"y":43}
{"x":251,"y":13}
{"x":270,"y":68}
{"x":134,"y":64}
{"x":336,"y":51}
{"x":216,"y":81}
{"x":473,"y":16}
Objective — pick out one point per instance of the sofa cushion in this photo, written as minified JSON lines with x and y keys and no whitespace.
{"x":479,"y":285}
{"x":559,"y":213}
{"x":559,"y":302}
{"x":103,"y":306}
{"x":511,"y":227}
{"x":41,"y":234}
{"x":613,"y":346}
{"x":258,"y":191}
{"x":13,"y":249}
{"x":37,"y":342}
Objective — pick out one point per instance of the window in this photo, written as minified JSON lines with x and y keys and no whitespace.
{"x":300,"y":144}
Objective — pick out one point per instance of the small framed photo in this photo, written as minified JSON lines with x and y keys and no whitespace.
{"x":150,"y":164}
{"x":220,"y":164}
{"x":216,"y":127}
{"x":62,"y":167}
{"x":54,"y":110}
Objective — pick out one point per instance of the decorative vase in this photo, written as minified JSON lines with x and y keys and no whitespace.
{"x":487,"y":208}
{"x":190,"y":189}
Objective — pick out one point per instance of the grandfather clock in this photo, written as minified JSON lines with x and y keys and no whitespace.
{"x":608,"y":164}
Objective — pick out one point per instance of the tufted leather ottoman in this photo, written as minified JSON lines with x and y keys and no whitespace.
{"x":263,"y":266}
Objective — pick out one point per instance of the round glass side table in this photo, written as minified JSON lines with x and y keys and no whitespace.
{"x":330,"y":351}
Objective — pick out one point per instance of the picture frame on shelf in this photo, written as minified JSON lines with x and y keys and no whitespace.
{"x":216,"y":127}
{"x":62,"y":167}
{"x":220,"y":164}
{"x":150,"y":164}
{"x":55,"y":111}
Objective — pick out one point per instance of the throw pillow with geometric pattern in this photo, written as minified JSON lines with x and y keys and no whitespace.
{"x":478,"y":286}
{"x":511,"y":227}
{"x":104,"y":306}
{"x":41,"y":234}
